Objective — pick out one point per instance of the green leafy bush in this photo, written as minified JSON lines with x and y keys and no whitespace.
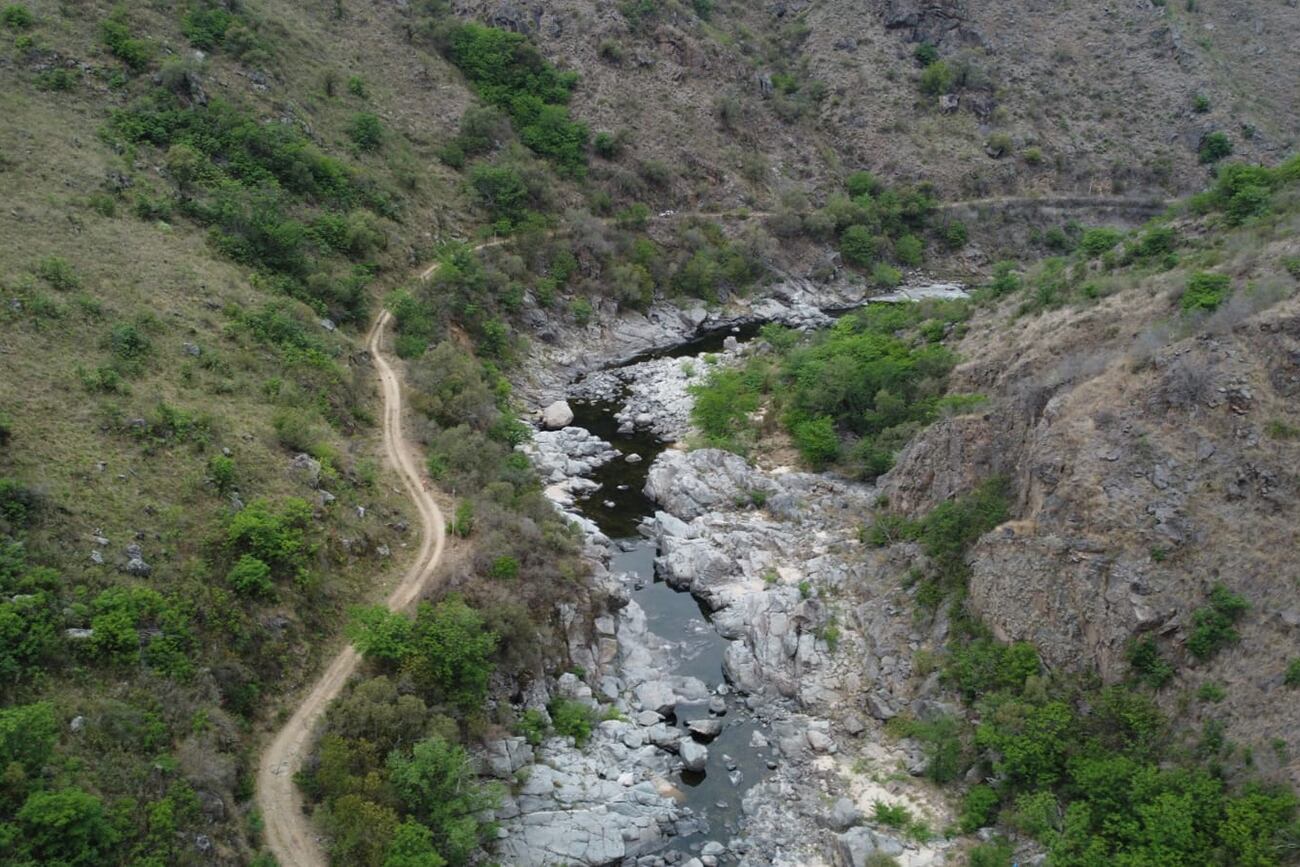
{"x":1292,"y":675}
{"x":532,"y":726}
{"x":571,"y":719}
{"x":1205,"y":291}
{"x":205,"y":26}
{"x":979,"y":808}
{"x":937,"y":78}
{"x":1214,"y":147}
{"x":507,"y":71}
{"x":116,"y":34}
{"x":277,"y":536}
{"x":16,"y":16}
{"x":65,"y":826}
{"x":817,"y":440}
{"x":437,"y":786}
{"x":858,"y":245}
{"x":251,"y":577}
{"x":1148,"y":663}
{"x":1213,"y":624}
{"x":863,"y":184}
{"x":1098,"y":241}
{"x":909,"y":250}
{"x":366,"y":131}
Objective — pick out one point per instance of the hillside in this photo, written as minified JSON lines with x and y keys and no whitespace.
{"x":207,"y":205}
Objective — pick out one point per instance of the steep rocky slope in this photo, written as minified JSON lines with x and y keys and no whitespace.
{"x":1151,"y":456}
{"x":1093,"y":98}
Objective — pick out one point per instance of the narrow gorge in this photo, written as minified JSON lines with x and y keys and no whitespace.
{"x":733,"y":656}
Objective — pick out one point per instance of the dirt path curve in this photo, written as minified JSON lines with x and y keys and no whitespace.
{"x":289,"y":833}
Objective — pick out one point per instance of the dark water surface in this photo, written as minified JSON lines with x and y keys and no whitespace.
{"x":618,"y":507}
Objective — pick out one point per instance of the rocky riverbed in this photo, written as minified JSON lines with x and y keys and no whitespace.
{"x":769,"y":697}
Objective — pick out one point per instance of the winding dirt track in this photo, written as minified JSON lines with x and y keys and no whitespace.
{"x":289,"y":833}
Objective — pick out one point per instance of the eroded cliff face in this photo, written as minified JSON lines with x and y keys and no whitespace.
{"x":1149,"y":459}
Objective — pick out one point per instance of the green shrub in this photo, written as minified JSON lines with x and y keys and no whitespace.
{"x":998,"y":145}
{"x":909,"y":250}
{"x":58,"y":79}
{"x":1158,"y":241}
{"x":937,"y":78}
{"x":532,"y":726}
{"x":221,"y":470}
{"x":1201,"y":104}
{"x":817,"y":440}
{"x":128,"y":344}
{"x":59,"y":273}
{"x":251,"y":577}
{"x":925,"y":53}
{"x":1098,"y":241}
{"x":507,"y":71}
{"x":886,"y":276}
{"x":205,"y":26}
{"x":723,"y":405}
{"x":995,"y":853}
{"x":1214,"y":147}
{"x":892,"y":816}
{"x":276,"y":536}
{"x":1292,"y":675}
{"x":984,"y":665}
{"x":504,"y":568}
{"x":863,"y":184}
{"x":18,"y":503}
{"x":366,"y":132}
{"x":608,"y":145}
{"x":858,"y":246}
{"x":16,"y":16}
{"x":955,"y":235}
{"x":1032,"y":155}
{"x":1205,"y":291}
{"x":451,"y":652}
{"x":380,"y":634}
{"x":116,"y":35}
{"x":462,"y":523}
{"x":571,"y":719}
{"x":437,"y":785}
{"x":1212,"y":624}
{"x":1211,"y":692}
{"x":979,"y":809}
{"x":1148,"y":663}
{"x":65,"y":826}
{"x":357,"y":87}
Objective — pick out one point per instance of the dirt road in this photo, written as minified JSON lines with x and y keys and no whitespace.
{"x":289,"y":833}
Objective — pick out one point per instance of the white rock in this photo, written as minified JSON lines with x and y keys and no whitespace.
{"x":557,"y":415}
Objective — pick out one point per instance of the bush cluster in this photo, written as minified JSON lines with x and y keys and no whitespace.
{"x":508,"y":72}
{"x":249,"y":182}
{"x":856,"y":392}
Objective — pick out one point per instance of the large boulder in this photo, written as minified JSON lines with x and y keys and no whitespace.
{"x":690,"y":484}
{"x":557,"y":415}
{"x":694,"y":755}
